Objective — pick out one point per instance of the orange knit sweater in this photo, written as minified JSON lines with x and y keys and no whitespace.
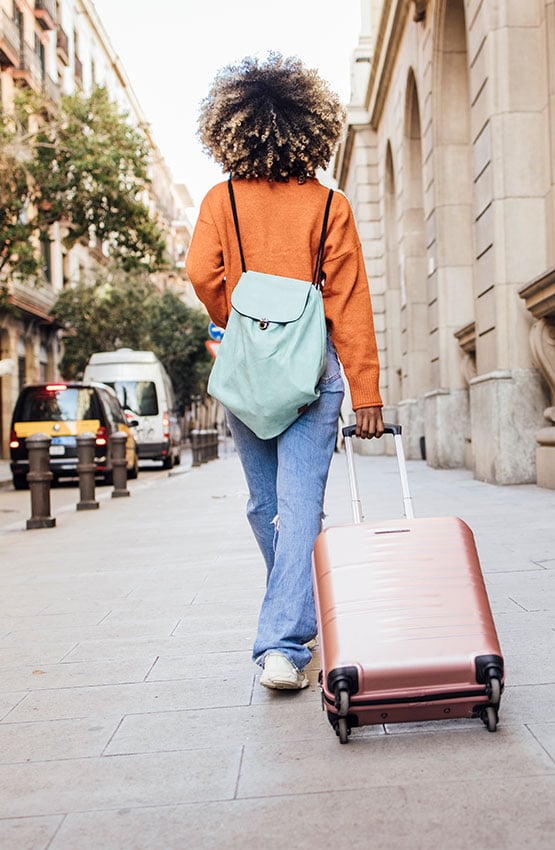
{"x":280,"y":226}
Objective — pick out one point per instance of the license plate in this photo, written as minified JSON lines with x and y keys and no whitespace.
{"x":57,"y":450}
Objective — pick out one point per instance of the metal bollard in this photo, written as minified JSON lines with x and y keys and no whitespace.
{"x":86,"y":468}
{"x":215,"y":444}
{"x":195,"y":446}
{"x":39,"y":478}
{"x":119,"y":464}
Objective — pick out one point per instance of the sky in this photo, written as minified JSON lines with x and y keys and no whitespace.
{"x":172,"y":49}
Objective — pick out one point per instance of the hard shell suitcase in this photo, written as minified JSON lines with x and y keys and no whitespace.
{"x":405,"y":626}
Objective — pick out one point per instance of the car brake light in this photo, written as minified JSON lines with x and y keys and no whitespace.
{"x":55,"y":388}
{"x":102,"y":436}
{"x":14,"y":440}
{"x":166,"y":426}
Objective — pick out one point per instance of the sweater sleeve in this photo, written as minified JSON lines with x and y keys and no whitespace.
{"x":348,"y":310}
{"x":205,"y":266}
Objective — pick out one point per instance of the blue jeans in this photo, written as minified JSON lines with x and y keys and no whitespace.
{"x":286,"y":477}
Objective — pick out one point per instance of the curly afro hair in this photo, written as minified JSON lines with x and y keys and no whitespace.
{"x":274,"y":119}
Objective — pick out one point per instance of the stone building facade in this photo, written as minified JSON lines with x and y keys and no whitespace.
{"x":449,"y":163}
{"x":53,"y":47}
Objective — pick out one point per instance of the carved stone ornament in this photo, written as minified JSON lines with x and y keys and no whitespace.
{"x":542,"y":343}
{"x":419,"y":10}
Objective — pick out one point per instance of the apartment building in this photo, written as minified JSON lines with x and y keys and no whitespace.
{"x":449,"y":163}
{"x":53,"y":47}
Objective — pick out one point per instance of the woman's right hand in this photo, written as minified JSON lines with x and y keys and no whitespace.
{"x":369,"y":422}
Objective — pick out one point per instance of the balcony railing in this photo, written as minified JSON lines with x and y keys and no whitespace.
{"x":9,"y":41}
{"x":29,"y":69}
{"x":45,"y":13}
{"x":62,"y":45}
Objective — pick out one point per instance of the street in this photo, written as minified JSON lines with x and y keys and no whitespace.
{"x":131,"y":715}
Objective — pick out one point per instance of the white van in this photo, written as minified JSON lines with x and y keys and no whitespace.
{"x":144,"y":388}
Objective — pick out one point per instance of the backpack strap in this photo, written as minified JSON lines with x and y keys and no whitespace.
{"x":318,"y":277}
{"x":236,"y":221}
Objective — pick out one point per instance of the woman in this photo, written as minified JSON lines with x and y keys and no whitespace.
{"x":271,"y":124}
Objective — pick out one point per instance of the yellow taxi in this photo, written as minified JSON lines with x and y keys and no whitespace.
{"x":63,"y":410}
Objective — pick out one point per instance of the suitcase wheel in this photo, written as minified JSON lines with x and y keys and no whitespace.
{"x":342,"y":700}
{"x":343,"y":730}
{"x":494,"y":691}
{"x":490,"y":717}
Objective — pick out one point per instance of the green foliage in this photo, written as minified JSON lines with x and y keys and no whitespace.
{"x":178,"y":335}
{"x":17,"y":248}
{"x":85,"y":167}
{"x":128,"y":310}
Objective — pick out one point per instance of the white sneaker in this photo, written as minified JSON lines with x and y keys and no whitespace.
{"x":281,"y":673}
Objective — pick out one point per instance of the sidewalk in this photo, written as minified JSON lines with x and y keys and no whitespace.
{"x":131,"y":717}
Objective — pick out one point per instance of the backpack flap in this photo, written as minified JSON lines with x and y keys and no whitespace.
{"x":271,"y":298}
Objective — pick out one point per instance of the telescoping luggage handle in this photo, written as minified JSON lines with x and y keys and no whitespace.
{"x":348,"y":433}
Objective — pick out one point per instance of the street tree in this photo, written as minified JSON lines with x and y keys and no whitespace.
{"x":126,"y":309}
{"x":85,"y":167}
{"x":178,"y":335}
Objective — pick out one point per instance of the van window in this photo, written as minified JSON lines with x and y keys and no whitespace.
{"x":138,"y":396}
{"x":113,"y":410}
{"x":65,"y":405}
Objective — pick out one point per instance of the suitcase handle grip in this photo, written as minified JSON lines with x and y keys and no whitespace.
{"x":349,"y":430}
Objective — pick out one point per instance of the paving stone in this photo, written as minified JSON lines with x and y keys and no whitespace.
{"x":15,"y":624}
{"x":119,"y":649}
{"x":119,"y":781}
{"x":544,"y":733}
{"x":204,"y":665}
{"x":177,"y":730}
{"x":299,"y":822}
{"x":470,"y":755}
{"x":135,"y":698}
{"x":528,"y":645}
{"x":73,"y":675}
{"x":528,"y":703}
{"x":8,"y":701}
{"x":28,"y":833}
{"x":54,"y":740}
{"x":503,"y":813}
{"x":35,"y":654}
{"x":162,"y":627}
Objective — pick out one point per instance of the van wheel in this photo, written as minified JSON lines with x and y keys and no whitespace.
{"x":20,"y":482}
{"x":168,"y":462}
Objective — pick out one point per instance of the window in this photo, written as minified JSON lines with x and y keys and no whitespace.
{"x":65,"y":405}
{"x":138,"y":396}
{"x":46,"y":257}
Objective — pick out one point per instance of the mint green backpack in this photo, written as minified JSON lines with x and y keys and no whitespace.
{"x":273,"y":352}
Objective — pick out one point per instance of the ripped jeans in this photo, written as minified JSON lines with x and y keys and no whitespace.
{"x":286,"y":477}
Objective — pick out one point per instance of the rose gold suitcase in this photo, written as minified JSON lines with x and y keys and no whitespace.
{"x":405,"y":627}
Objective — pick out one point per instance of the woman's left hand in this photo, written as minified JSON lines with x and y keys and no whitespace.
{"x":369,"y":422}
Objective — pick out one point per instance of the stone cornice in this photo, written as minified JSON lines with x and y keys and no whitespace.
{"x":466,"y":337}
{"x":388,"y":40}
{"x":539,"y":295}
